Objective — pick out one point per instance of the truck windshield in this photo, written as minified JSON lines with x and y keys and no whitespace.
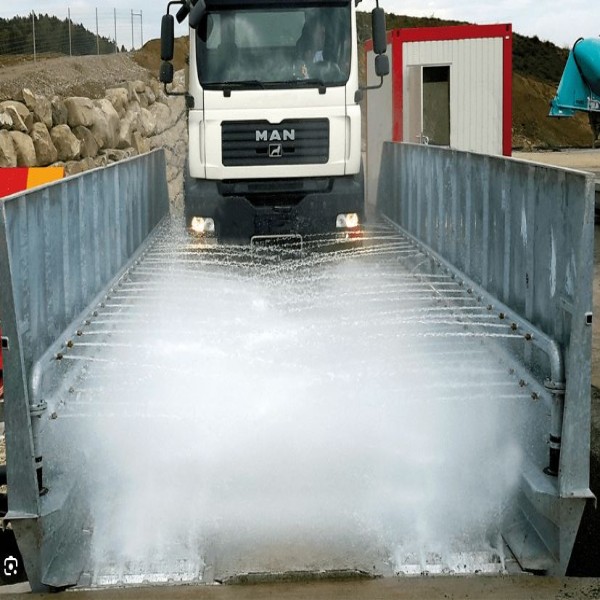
{"x":291,"y":46}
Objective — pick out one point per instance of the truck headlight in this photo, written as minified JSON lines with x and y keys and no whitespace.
{"x":203,"y":225}
{"x":347,"y":221}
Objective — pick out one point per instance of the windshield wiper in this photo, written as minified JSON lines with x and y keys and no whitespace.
{"x":308,"y":82}
{"x":228,"y":86}
{"x":313,"y":82}
{"x":251,"y":83}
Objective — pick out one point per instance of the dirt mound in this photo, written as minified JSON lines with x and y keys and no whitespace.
{"x":149,"y":56}
{"x":87,"y":76}
{"x":533,"y":128}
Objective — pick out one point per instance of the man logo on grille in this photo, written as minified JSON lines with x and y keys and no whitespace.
{"x":263,"y":135}
{"x":275,"y":150}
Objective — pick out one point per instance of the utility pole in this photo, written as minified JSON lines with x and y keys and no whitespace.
{"x":115,"y":19}
{"x":70,"y":40}
{"x":33,"y":26}
{"x":137,"y":14}
{"x":97,"y":40}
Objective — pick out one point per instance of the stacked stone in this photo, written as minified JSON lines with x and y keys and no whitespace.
{"x":81,"y":133}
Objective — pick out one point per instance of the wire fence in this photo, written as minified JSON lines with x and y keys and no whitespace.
{"x":77,"y":32}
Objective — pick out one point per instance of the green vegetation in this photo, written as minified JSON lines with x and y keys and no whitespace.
{"x":541,"y":60}
{"x":51,"y":36}
{"x":393,"y":21}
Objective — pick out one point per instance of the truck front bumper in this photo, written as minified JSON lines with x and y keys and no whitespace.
{"x":243,"y":209}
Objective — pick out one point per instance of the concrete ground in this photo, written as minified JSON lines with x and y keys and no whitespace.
{"x":523,"y":587}
{"x":583,"y":160}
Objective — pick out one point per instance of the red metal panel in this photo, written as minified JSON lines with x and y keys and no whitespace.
{"x":452,"y":32}
{"x":397,"y":86}
{"x":13,"y":180}
{"x":1,"y":371}
{"x":507,"y":91}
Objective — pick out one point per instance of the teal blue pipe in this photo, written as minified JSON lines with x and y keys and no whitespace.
{"x":579,"y":88}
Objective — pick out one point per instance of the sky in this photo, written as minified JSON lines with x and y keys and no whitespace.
{"x":559,"y":21}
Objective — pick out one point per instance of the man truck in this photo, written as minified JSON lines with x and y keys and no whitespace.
{"x":274,"y":119}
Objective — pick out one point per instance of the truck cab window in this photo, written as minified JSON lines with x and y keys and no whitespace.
{"x":274,"y":47}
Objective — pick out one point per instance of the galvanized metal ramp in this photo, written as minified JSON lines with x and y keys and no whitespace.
{"x":376,"y":329}
{"x":204,"y":412}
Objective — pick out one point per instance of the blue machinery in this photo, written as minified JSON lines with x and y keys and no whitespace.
{"x":579,"y":88}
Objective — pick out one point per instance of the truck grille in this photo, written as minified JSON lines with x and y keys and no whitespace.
{"x":291,"y":142}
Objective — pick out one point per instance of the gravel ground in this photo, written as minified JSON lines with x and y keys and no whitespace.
{"x":582,"y":160}
{"x":70,"y":76}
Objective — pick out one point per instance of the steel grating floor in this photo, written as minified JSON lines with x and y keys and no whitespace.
{"x":204,"y":366}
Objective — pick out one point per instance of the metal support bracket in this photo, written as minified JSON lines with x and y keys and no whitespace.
{"x":36,"y":410}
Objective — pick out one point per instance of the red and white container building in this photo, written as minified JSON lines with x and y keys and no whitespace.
{"x":448,"y":86}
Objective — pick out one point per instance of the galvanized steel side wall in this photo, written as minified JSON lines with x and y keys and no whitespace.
{"x":60,"y":245}
{"x":520,"y":230}
{"x":67,"y":241}
{"x":524,"y":233}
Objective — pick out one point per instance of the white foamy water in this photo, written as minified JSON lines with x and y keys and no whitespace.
{"x":240,"y":412}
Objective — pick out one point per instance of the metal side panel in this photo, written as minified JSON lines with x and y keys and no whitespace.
{"x":512,"y":226}
{"x":521,"y":235}
{"x":60,"y":245}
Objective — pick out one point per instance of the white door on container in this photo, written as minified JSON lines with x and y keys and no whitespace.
{"x":413,"y":124}
{"x":427,"y":114}
{"x":436,"y":105}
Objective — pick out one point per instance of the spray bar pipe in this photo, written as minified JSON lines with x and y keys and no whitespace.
{"x":555,"y":384}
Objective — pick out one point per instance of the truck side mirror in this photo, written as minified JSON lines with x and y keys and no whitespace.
{"x":197,"y":13}
{"x":166,"y":72}
{"x":382,"y":62}
{"x":382,"y":65}
{"x":167,"y":37}
{"x":378,"y":29}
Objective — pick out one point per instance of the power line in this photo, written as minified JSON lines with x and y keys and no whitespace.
{"x":108,"y":26}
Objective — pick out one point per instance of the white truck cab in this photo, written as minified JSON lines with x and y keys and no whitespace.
{"x":274,"y":117}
